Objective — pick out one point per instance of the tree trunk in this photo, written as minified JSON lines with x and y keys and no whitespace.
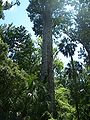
{"x":75,"y":88}
{"x":47,"y":56}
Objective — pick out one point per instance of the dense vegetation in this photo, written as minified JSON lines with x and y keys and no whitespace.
{"x":34,"y":83}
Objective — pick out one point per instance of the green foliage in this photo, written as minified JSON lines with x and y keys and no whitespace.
{"x":3,"y":50}
{"x":21,"y":48}
{"x":58,"y":64}
{"x":78,"y":88}
{"x":84,"y":94}
{"x":1,"y":9}
{"x":64,"y":109}
{"x":23,"y":95}
{"x":83,"y":30}
{"x":13,"y":86}
{"x":67,"y":47}
{"x":15,"y":37}
{"x":58,"y":69}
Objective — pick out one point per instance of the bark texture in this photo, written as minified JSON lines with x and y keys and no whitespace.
{"x":47,"y":56}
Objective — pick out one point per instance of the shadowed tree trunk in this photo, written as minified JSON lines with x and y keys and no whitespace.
{"x":47,"y":55}
{"x":74,"y":75}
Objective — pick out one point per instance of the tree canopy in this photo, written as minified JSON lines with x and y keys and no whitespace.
{"x":34,"y":82}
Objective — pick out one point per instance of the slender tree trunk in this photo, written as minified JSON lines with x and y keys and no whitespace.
{"x":47,"y":56}
{"x":75,"y":88}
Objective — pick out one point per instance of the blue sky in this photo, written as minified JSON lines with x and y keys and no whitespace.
{"x":18,"y":16}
